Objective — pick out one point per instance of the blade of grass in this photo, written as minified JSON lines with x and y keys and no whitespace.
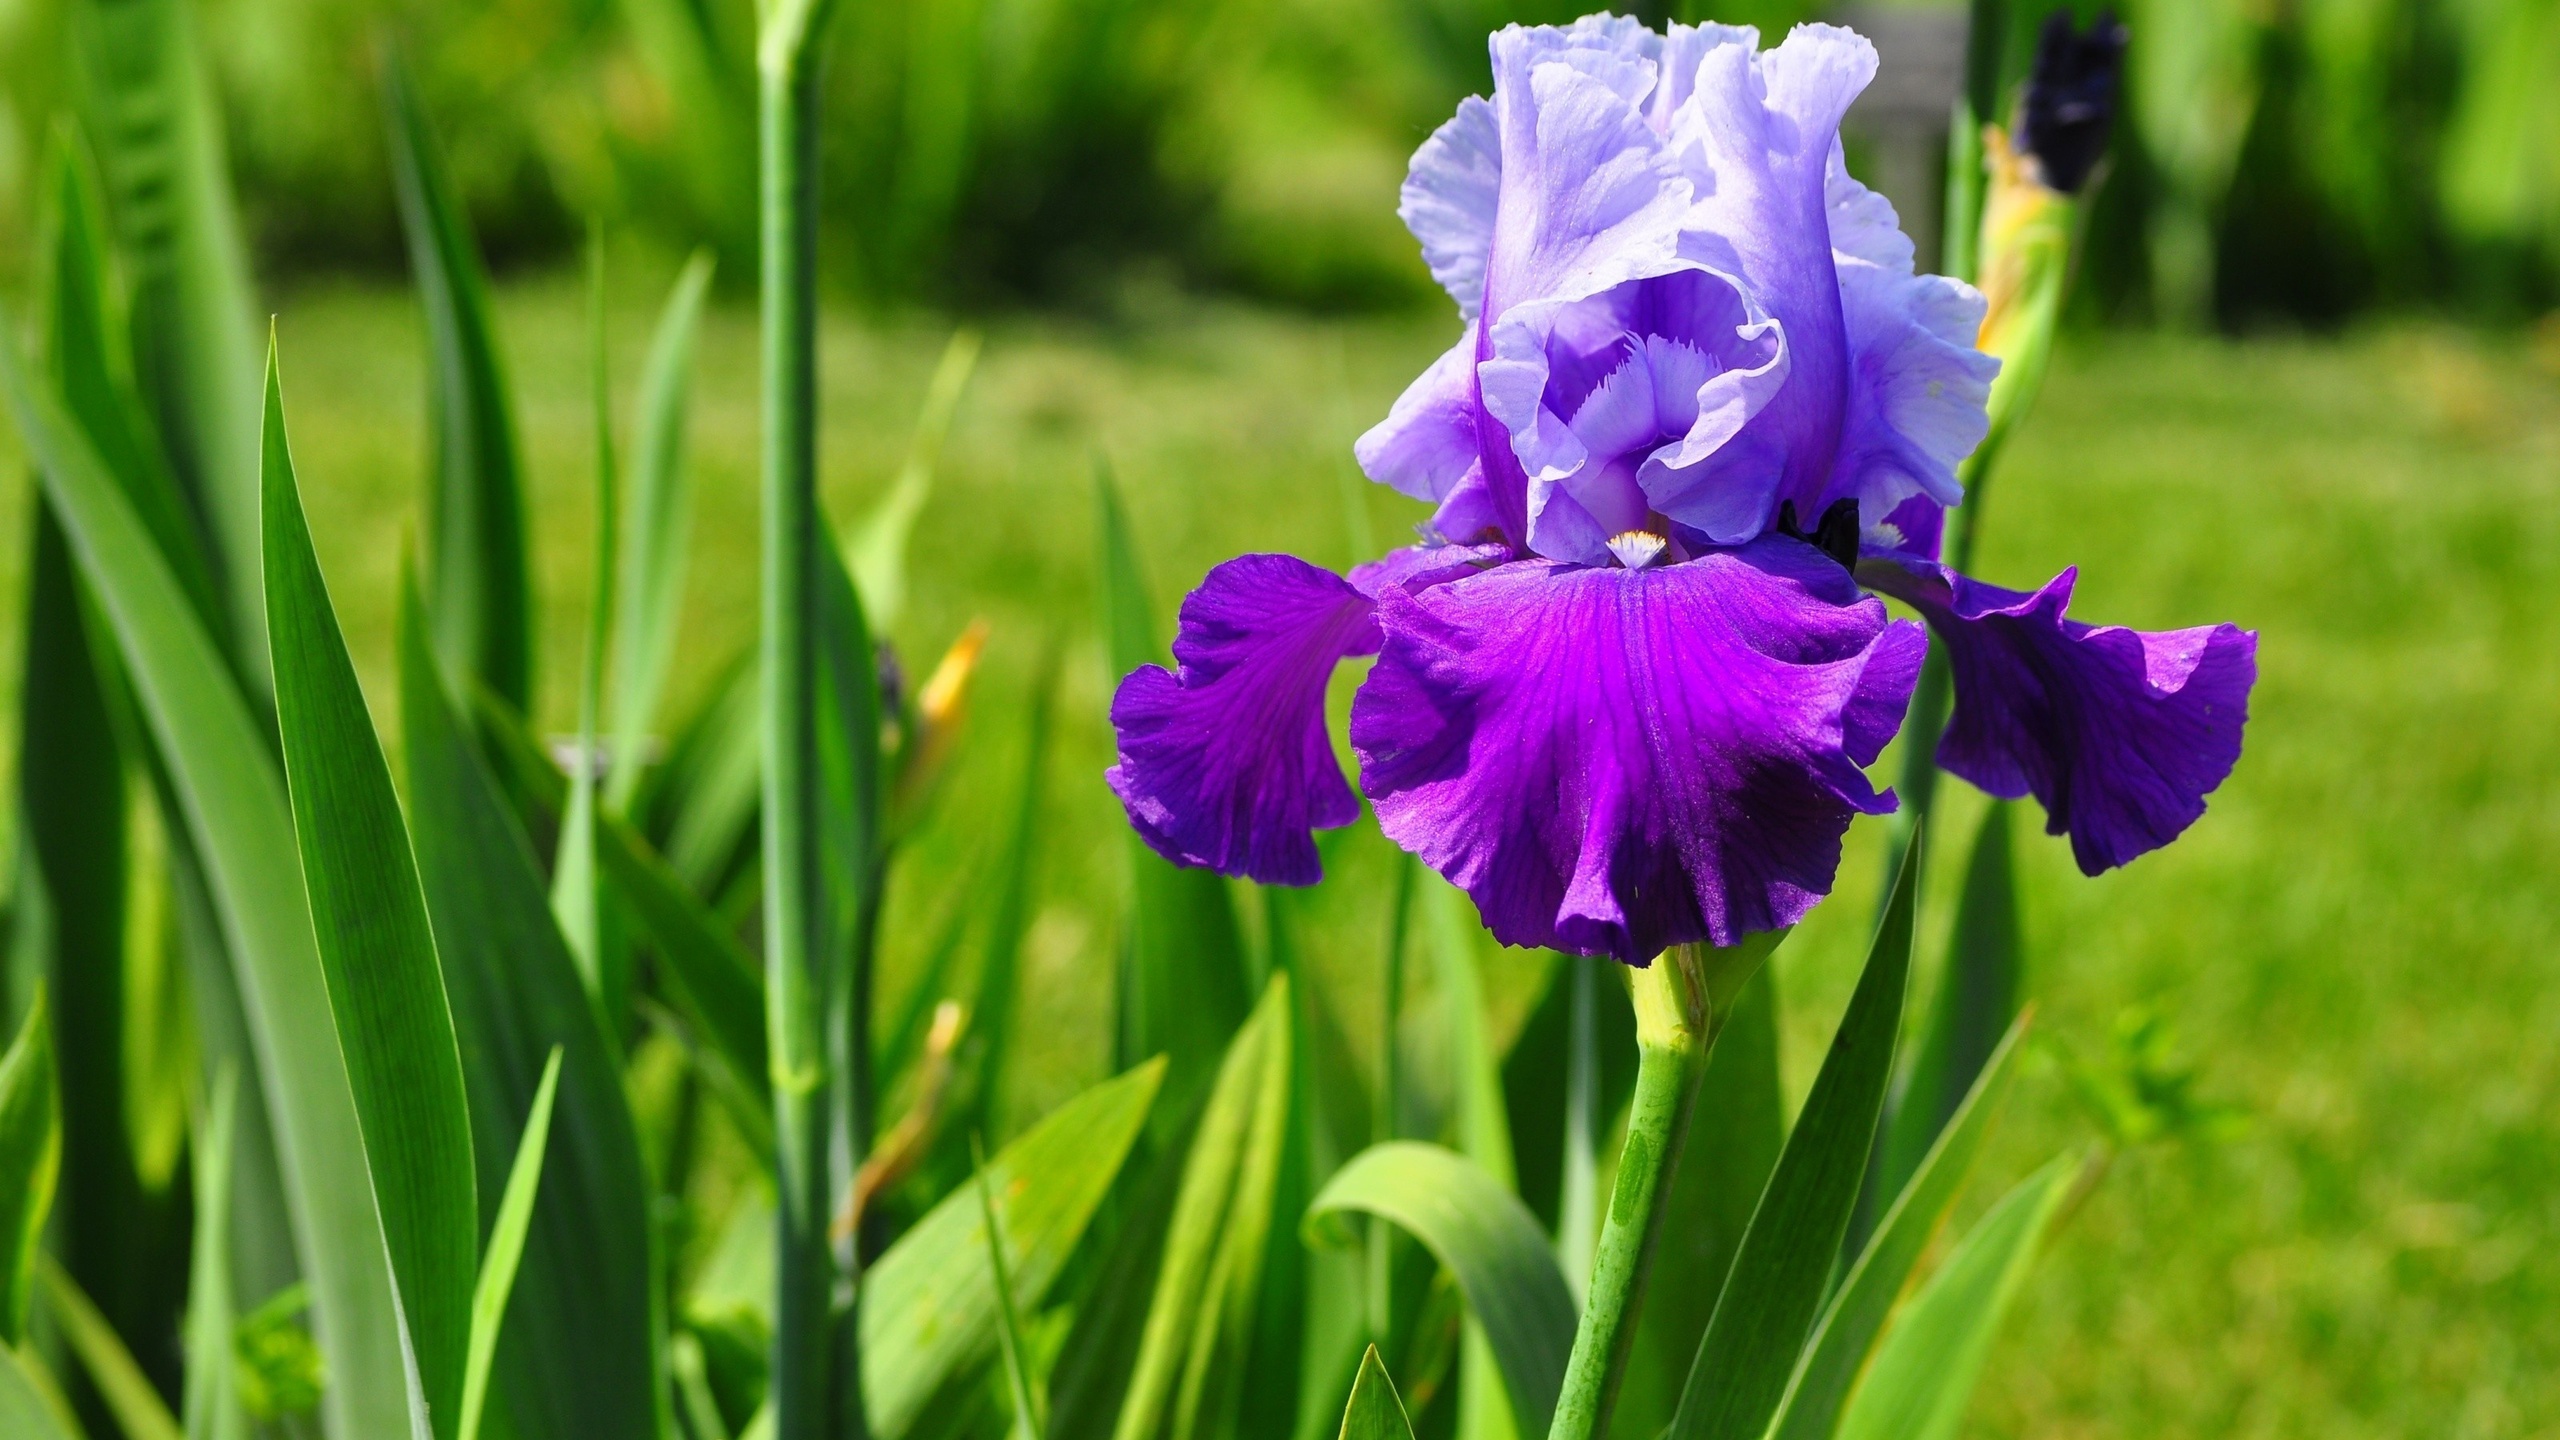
{"x":1483,"y":1135}
{"x":30,"y":1161}
{"x":657,"y":529}
{"x":877,"y":550}
{"x":1027,"y":1419}
{"x":211,"y":1403}
{"x":1847,"y":1333}
{"x":87,"y":338}
{"x":241,"y":828}
{"x":1924,"y":1372}
{"x":713,"y":980}
{"x":385,"y":983}
{"x":930,"y":1306}
{"x":580,"y":1357}
{"x":151,"y":109}
{"x":1376,"y":1412}
{"x":1775,"y":1288}
{"x":1212,"y":1389}
{"x":1185,"y":994}
{"x":497,"y":1281}
{"x":137,"y":1407}
{"x":30,"y":1408}
{"x":91,"y":855}
{"x":479,"y":584}
{"x":1488,"y":1240}
{"x":1009,"y":915}
{"x":1977,"y":999}
{"x":1186,"y":1279}
{"x":575,"y":898}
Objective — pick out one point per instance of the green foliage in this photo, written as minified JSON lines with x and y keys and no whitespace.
{"x":1489,"y":1240}
{"x":1375,"y":1411}
{"x":1775,"y":1289}
{"x":479,"y":586}
{"x":30,"y":1160}
{"x":496,"y":1284}
{"x":1925,"y":1370}
{"x":138,"y":1409}
{"x":211,"y":1404}
{"x":237,"y":814}
{"x":385,"y":984}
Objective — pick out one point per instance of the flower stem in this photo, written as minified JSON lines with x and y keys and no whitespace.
{"x":1675,"y":1025}
{"x":805,"y":1354}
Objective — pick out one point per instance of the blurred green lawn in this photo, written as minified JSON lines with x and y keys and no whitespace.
{"x":2359,"y":945}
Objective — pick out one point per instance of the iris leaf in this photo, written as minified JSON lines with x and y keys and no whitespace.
{"x":1924,"y":1372}
{"x":580,"y":1354}
{"x":1847,"y":1333}
{"x":929,"y":1306}
{"x":1488,"y":1240}
{"x":877,"y":551}
{"x":1376,"y":1412}
{"x":30,"y":1161}
{"x":377,"y":952}
{"x":240,"y":826}
{"x":27,"y":1408}
{"x":1776,"y":1286}
{"x":1187,"y":1317}
{"x":211,"y":1403}
{"x":657,"y":527}
{"x":1977,"y":998}
{"x":151,"y":110}
{"x":496,"y":1284}
{"x":138,"y":1409}
{"x":479,"y":584}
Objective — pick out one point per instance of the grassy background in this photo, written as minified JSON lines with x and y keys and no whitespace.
{"x":2356,"y":945}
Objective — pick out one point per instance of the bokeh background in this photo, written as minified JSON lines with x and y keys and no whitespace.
{"x":2312,"y":384}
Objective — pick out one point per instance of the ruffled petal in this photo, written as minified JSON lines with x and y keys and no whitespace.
{"x":1615,"y":761}
{"x":1450,"y":193}
{"x":1427,"y":443}
{"x":2119,"y":733}
{"x":1224,"y":762}
{"x":1755,"y":137}
{"x":1917,"y":386}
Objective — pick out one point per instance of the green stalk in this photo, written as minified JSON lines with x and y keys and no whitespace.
{"x":795,"y":897}
{"x":1681,"y":1000}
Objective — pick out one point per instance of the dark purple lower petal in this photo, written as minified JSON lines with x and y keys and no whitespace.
{"x":2119,"y":733}
{"x":1225,"y":762}
{"x":1615,"y":761}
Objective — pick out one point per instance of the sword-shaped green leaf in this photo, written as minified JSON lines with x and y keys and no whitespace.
{"x":1376,"y":1412}
{"x":1488,"y":1240}
{"x":1924,"y":1372}
{"x":929,"y":1303}
{"x":497,"y":1282}
{"x":1847,"y":1333}
{"x":657,"y":527}
{"x":241,"y":829}
{"x":150,"y":109}
{"x":580,"y":1355}
{"x":29,"y":1409}
{"x":479,"y":584}
{"x":211,"y":1404}
{"x":30,"y":1161}
{"x":138,"y":1409}
{"x":377,"y":952}
{"x":1776,"y":1286}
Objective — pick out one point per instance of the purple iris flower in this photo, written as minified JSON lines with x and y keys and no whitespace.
{"x":1626,"y":694}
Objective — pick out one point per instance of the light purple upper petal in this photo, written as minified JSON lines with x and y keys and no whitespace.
{"x":1427,"y":443}
{"x":2119,"y":733}
{"x":1614,"y":761}
{"x":1917,"y":387}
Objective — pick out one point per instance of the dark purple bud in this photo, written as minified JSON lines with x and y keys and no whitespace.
{"x":2071,"y":97}
{"x":892,"y":678}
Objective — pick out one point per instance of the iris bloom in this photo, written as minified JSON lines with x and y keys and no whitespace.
{"x":1626,"y":693}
